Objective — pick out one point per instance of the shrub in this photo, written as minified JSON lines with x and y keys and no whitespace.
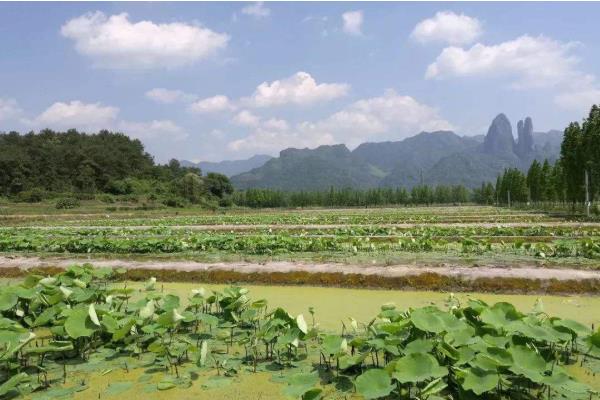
{"x":174,"y":202}
{"x":31,"y":196}
{"x":84,"y":196}
{"x":67,"y":203}
{"x":106,"y":198}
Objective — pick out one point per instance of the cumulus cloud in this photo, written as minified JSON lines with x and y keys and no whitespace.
{"x":448,"y":27}
{"x":156,"y":129}
{"x":211,"y":104}
{"x":264,"y":140}
{"x":246,"y":118}
{"x":257,"y":10}
{"x":116,"y":42}
{"x":391,"y":116}
{"x":353,"y":21}
{"x":76,"y":114}
{"x":388,"y":117}
{"x":9,"y":109}
{"x":167,"y":96}
{"x":301,"y":89}
{"x":531,"y":61}
{"x":579,"y":100}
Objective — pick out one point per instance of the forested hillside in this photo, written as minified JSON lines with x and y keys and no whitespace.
{"x":48,"y":164}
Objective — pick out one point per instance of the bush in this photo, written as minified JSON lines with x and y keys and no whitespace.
{"x":226,"y":202}
{"x":106,"y":198}
{"x":31,"y":196}
{"x":130,"y":198}
{"x":174,"y":202}
{"x":84,"y":196}
{"x":67,"y":203}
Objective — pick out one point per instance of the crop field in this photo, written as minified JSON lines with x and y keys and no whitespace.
{"x":110,"y":329}
{"x":469,"y":235}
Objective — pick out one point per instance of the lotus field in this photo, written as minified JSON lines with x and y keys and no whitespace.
{"x":378,"y":233}
{"x":89,"y":319}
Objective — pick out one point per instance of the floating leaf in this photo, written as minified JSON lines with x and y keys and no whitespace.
{"x":418,"y":367}
{"x":374,"y":384}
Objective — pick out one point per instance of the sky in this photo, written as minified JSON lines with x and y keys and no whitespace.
{"x":214,"y":81}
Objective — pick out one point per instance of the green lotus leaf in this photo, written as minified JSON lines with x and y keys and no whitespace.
{"x":433,"y":388}
{"x":313,"y":394}
{"x":500,"y":315}
{"x":418,"y":367}
{"x":527,"y":359}
{"x":79,"y":324}
{"x":419,"y":346}
{"x":374,"y":384}
{"x":348,"y":361}
{"x":480,"y":381}
{"x":576,"y":328}
{"x":299,"y":384}
{"x":8,"y":300}
{"x":333,"y":345}
{"x":13,"y":382}
{"x":428,"y":319}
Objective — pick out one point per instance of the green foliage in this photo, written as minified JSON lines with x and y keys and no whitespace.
{"x":474,"y":350}
{"x":67,"y":203}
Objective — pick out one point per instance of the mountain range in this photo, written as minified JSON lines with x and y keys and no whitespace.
{"x":440,"y":157}
{"x":229,"y":167}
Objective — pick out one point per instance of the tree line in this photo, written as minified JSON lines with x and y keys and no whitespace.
{"x":50,"y":164}
{"x":350,"y":197}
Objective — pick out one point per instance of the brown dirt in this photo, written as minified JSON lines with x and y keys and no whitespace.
{"x":229,"y":227}
{"x":392,"y":271}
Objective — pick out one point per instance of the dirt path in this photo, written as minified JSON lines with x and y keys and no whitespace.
{"x":242,"y":227}
{"x":486,"y":271}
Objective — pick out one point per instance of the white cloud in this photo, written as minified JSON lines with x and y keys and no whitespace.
{"x":116,"y":42}
{"x":211,"y":104}
{"x":388,"y":117}
{"x":448,"y":27}
{"x":9,"y":109}
{"x":579,"y":100}
{"x":156,"y":129}
{"x":353,"y":21}
{"x":272,"y":141}
{"x":276,"y":124}
{"x":257,"y":10}
{"x":76,"y":114}
{"x":301,"y":88}
{"x":167,"y":96}
{"x":531,"y":61}
{"x":246,"y":118}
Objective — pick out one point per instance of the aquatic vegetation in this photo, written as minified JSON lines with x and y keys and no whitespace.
{"x":86,"y":317}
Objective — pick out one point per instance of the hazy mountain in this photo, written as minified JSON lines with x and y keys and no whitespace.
{"x":311,"y":169}
{"x":229,"y":167}
{"x":440,"y":157}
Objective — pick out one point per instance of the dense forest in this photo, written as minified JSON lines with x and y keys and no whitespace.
{"x":50,"y":164}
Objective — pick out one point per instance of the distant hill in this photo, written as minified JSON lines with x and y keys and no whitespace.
{"x":441,"y":157}
{"x":229,"y":167}
{"x":314,"y":169}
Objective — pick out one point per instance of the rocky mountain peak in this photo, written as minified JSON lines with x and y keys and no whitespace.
{"x":499,"y":139}
{"x":525,"y":142}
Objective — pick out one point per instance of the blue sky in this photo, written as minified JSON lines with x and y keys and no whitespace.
{"x":212,"y":81}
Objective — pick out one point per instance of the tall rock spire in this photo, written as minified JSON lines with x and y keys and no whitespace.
{"x":499,"y":139}
{"x":524,"y":145}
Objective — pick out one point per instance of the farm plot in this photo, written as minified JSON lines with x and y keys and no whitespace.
{"x":85,"y":333}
